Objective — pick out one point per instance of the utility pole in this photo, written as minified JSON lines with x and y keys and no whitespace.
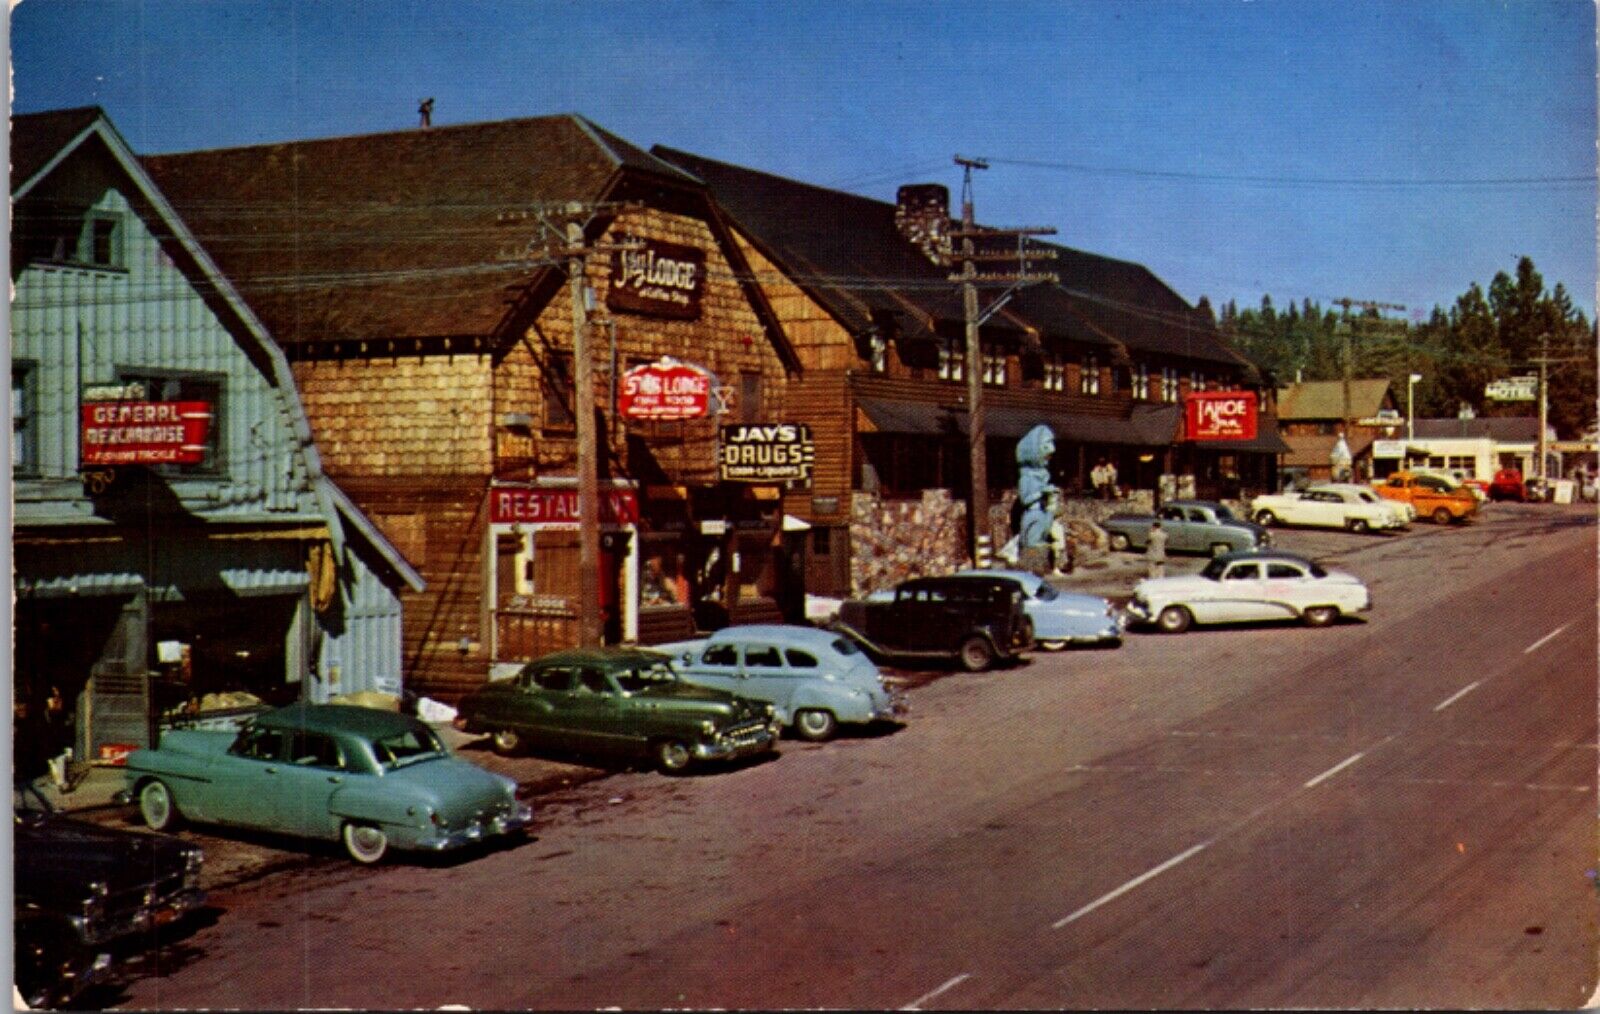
{"x":1344,"y":330}
{"x":978,"y":508}
{"x":564,"y":242}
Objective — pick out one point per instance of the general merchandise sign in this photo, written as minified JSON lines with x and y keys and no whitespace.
{"x":1220,"y":415}
{"x":145,"y":432}
{"x":766,"y":453}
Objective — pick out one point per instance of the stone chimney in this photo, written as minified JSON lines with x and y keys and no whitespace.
{"x":922,"y":214}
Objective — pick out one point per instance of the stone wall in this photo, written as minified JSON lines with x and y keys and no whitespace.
{"x":892,"y":541}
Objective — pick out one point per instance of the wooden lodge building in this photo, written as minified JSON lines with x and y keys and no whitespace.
{"x":862,"y":289}
{"x":416,"y":283}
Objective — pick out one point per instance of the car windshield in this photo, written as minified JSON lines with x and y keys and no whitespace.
{"x":1223,"y":513}
{"x":1366,"y":497}
{"x":1046,"y":592}
{"x":646,"y":677}
{"x":407,"y":747}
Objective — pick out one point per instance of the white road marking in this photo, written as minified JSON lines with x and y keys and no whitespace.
{"x":1546,"y":639}
{"x":1464,"y":691}
{"x":952,"y":984}
{"x":1130,"y":885}
{"x":1313,"y":783}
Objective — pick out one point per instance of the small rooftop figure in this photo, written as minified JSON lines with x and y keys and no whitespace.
{"x":426,"y":111}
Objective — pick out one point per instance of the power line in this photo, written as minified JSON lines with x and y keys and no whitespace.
{"x":1301,"y":181}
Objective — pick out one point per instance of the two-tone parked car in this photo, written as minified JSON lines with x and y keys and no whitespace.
{"x":81,"y":887}
{"x":1248,"y":587}
{"x":627,"y":702}
{"x":1431,"y":496}
{"x":976,"y":621}
{"x":1059,"y":617}
{"x":814,"y":679}
{"x":1192,"y":526}
{"x":371,"y":779}
{"x":1353,"y":508}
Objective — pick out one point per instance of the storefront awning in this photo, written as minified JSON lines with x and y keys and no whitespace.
{"x":1265,"y":442}
{"x":912,"y":417}
{"x":1153,"y":427}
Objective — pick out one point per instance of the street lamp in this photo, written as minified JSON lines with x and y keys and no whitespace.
{"x":1411,"y":413}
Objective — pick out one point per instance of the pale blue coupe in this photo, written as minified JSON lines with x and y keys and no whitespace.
{"x":1062,"y":618}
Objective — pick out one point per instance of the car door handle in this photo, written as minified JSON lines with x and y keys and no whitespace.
{"x":271,"y":770}
{"x":335,"y":779}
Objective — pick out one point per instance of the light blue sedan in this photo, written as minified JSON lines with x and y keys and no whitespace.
{"x":369,"y":778}
{"x":814,"y":679}
{"x":1060,"y":618}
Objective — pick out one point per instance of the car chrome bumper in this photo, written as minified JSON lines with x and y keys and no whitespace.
{"x":506,"y":823}
{"x":146,"y":917}
{"x":1135,"y":612}
{"x":895,"y":709}
{"x":722,"y":748}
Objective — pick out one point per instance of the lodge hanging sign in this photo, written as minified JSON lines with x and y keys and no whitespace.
{"x":145,"y":432}
{"x":766,"y":453}
{"x":657,"y":279}
{"x":1220,"y":415}
{"x":665,"y":389}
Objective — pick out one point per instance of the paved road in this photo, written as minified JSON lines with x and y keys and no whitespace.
{"x":1398,"y":812}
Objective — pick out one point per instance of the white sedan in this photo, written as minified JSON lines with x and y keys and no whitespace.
{"x":1328,"y":506}
{"x":1246,"y":587}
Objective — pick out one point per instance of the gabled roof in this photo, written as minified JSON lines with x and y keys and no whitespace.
{"x":1324,"y":399}
{"x":38,"y":138}
{"x":1500,"y":429}
{"x":1314,"y":449}
{"x":846,"y":251}
{"x":414,"y":233}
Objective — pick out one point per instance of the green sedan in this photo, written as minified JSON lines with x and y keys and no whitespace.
{"x":365,"y":777}
{"x":620,"y":701}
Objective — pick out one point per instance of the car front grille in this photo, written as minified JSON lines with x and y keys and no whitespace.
{"x":744,"y":733}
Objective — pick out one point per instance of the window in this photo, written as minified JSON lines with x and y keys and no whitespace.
{"x":1283,"y":570}
{"x":951,"y":365}
{"x":721,"y":654}
{"x":186,"y":387}
{"x":594,"y":681}
{"x":558,"y":391}
{"x":24,"y":452}
{"x":261,"y":744}
{"x":1197,"y":381}
{"x":878,"y":349}
{"x":88,"y":239}
{"x":800,"y":659}
{"x":1141,"y":381}
{"x":312,"y":749}
{"x":1169,"y":383}
{"x":750,"y":397}
{"x":553,"y":679}
{"x":762,"y":655}
{"x":1089,"y":379}
{"x":994,"y":369}
{"x":1243,"y":572}
{"x":1467,"y":462}
{"x":1055,"y":374}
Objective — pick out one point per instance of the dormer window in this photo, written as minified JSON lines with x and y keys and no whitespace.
{"x":994,"y":368}
{"x":1169,"y":383}
{"x":92,"y":239}
{"x":1089,"y":379}
{"x":951,"y":360}
{"x":1055,"y":374}
{"x":1141,"y":381}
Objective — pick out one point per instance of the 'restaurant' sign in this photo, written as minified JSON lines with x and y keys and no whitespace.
{"x":766,"y":453}
{"x":657,"y":279}
{"x":665,"y":389}
{"x":1220,"y":415}
{"x":558,"y":506}
{"x":145,"y":432}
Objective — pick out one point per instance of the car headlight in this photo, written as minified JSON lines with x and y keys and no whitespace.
{"x":708,"y":727}
{"x":95,"y":903}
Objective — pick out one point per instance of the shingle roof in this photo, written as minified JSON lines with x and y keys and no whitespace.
{"x":846,"y":250}
{"x":392,"y":235}
{"x":1313,"y":449}
{"x":1324,"y":399}
{"x":36,"y":138}
{"x":1501,"y":429}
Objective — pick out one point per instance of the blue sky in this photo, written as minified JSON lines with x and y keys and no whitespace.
{"x":1295,"y":147}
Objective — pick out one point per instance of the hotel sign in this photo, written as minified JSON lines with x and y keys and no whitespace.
{"x":145,"y":432}
{"x":766,"y":453}
{"x":666,"y":389}
{"x":657,"y":279}
{"x":1220,"y":415}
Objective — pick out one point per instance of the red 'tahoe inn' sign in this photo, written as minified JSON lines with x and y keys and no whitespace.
{"x":559,"y":506}
{"x":658,"y":279}
{"x":666,"y":389}
{"x":1220,"y":415}
{"x":145,"y":432}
